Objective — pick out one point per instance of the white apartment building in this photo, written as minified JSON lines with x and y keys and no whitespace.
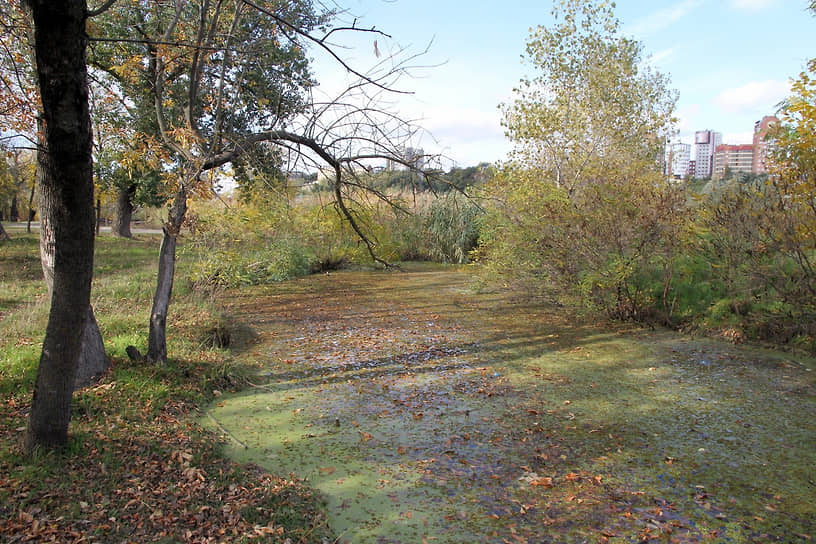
{"x":705,"y":144}
{"x":678,"y":156}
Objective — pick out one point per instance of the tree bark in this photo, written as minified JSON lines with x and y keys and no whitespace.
{"x":93,"y":361}
{"x":157,"y":336}
{"x":14,"y":214}
{"x":123,"y":213}
{"x":67,"y":186}
{"x":3,"y":234}
{"x":31,"y":211}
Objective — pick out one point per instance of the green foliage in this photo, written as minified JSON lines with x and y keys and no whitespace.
{"x":582,"y":211}
{"x":278,"y":261}
{"x":263,"y":241}
{"x":451,"y":227}
{"x":442,"y":228}
{"x":592,"y":102}
{"x":246,"y":244}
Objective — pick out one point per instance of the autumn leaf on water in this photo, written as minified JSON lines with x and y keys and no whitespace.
{"x":542,"y":482}
{"x":327,"y":470}
{"x":364,"y":436}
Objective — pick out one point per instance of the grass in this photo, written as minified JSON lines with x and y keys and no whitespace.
{"x":137,"y":468}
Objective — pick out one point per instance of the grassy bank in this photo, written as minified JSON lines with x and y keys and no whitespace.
{"x":137,"y":468}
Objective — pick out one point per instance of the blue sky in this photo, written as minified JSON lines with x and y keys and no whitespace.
{"x":730,"y":61}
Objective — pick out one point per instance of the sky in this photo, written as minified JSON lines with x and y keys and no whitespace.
{"x":731,"y":61}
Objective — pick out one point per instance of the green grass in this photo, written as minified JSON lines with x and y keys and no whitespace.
{"x":137,"y":467}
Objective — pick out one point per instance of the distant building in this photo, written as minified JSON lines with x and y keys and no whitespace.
{"x":413,"y":156}
{"x":762,"y":145}
{"x":705,"y":143}
{"x":692,"y":168}
{"x":737,"y":158}
{"x":678,"y":156}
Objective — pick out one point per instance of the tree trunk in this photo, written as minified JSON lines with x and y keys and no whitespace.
{"x":3,"y":234}
{"x":93,"y":361}
{"x":67,"y":189}
{"x":14,"y":214}
{"x":31,"y":211}
{"x":157,"y":337}
{"x":123,"y":213}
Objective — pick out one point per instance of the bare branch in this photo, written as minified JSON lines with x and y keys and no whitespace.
{"x":320,"y":42}
{"x":101,"y":9}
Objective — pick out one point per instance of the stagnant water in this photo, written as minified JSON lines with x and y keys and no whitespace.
{"x":427,"y":413}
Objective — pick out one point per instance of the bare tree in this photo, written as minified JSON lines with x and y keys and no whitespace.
{"x":224,"y":77}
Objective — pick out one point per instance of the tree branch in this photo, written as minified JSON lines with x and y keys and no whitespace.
{"x":101,"y":9}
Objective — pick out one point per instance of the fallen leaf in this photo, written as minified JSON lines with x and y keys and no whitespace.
{"x":542,"y":482}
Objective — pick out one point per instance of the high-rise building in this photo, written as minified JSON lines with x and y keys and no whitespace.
{"x":705,"y":143}
{"x":678,"y":156}
{"x":415,"y":156}
{"x":762,"y":144}
{"x":737,"y":158}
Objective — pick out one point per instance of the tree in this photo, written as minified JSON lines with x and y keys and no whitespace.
{"x":127,"y":168}
{"x":222,"y":78}
{"x":20,"y":96}
{"x":793,"y":173}
{"x":583,"y":205}
{"x":67,"y":192}
{"x":16,"y":181}
{"x":6,"y":189}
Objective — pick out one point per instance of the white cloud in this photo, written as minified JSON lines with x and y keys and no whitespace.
{"x":465,"y":134}
{"x":658,"y":20}
{"x":753,"y":96}
{"x":661,"y":56}
{"x":752,"y":5}
{"x":688,"y":120}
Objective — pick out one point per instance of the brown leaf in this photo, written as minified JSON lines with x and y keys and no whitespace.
{"x":542,"y":482}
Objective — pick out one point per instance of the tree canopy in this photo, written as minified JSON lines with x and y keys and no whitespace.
{"x":582,"y":201}
{"x":593,"y":106}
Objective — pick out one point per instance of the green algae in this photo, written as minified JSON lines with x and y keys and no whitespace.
{"x":422,"y":410}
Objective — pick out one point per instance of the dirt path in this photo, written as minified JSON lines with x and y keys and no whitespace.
{"x":427,"y":413}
